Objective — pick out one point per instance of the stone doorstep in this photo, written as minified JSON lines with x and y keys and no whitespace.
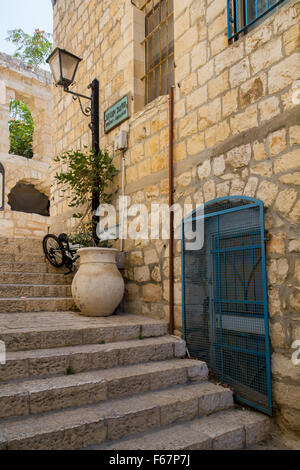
{"x":227,"y":430}
{"x":29,"y":290}
{"x":112,"y":420}
{"x":43,"y":395}
{"x":49,"y":362}
{"x":44,"y":330}
{"x":39,"y":268}
{"x":35,"y":304}
{"x":34,"y":278}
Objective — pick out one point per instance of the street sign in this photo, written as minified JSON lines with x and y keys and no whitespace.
{"x":116,"y":114}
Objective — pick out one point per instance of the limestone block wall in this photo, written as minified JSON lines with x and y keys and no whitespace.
{"x":32,"y":86}
{"x":18,"y":224}
{"x":236,"y":131}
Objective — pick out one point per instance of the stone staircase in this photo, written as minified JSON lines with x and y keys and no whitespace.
{"x":122,"y":382}
{"x":27,"y":282}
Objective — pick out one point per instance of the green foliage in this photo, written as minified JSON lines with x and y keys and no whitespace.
{"x":33,"y":50}
{"x":70,"y":371}
{"x":85,"y":172}
{"x":21,"y":129}
{"x":83,"y":236}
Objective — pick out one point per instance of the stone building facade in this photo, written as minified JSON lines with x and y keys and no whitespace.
{"x":33,"y":87}
{"x":236,"y":132}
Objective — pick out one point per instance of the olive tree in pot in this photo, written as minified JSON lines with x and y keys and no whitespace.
{"x":98,"y":286}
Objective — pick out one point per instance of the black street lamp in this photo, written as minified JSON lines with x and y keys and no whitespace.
{"x":64,"y":66}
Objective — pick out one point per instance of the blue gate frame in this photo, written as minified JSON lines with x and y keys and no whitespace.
{"x":222,"y":320}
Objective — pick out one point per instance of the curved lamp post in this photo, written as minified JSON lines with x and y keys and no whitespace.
{"x":64,"y":66}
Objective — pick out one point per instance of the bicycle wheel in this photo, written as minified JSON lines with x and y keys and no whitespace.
{"x":54,"y":251}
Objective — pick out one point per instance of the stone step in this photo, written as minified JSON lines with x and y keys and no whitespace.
{"x":113,"y":419}
{"x":34,"y":278}
{"x":232,"y":429}
{"x":41,"y":267}
{"x":29,"y":291}
{"x":15,"y":245}
{"x":27,"y":331}
{"x":18,"y":250}
{"x":23,"y":257}
{"x":49,"y":362}
{"x":36,"y":304}
{"x":43,"y":395}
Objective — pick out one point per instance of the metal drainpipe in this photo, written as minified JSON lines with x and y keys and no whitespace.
{"x":171,"y":201}
{"x":123,"y":195}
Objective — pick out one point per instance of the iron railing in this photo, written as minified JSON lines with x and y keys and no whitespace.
{"x":244,"y":13}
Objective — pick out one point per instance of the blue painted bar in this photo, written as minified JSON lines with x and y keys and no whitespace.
{"x":236,"y":15}
{"x":226,"y":211}
{"x":239,"y":350}
{"x":259,"y":407}
{"x":239,"y":28}
{"x":183,"y":280}
{"x":237,"y":248}
{"x":242,"y":302}
{"x":229,"y":18}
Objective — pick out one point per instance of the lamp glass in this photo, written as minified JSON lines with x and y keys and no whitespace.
{"x":54,"y":63}
{"x":68,"y":67}
{"x":63,"y":65}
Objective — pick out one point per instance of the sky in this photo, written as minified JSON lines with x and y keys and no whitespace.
{"x":25,"y":14}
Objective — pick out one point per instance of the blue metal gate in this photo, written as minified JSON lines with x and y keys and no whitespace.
{"x":225,"y":305}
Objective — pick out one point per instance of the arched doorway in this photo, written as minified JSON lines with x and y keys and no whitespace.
{"x":225,"y":300}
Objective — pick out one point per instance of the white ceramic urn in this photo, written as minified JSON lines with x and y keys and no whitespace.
{"x":98,"y":286}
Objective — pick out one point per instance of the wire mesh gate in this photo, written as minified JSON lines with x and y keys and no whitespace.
{"x":225,"y":308}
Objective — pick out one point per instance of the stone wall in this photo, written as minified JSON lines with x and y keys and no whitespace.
{"x":32,"y":86}
{"x":237,"y":131}
{"x":18,"y":224}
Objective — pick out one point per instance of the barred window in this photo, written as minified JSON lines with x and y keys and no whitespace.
{"x":159,"y":48}
{"x":244,"y":13}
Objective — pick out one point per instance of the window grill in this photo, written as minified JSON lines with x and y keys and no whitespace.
{"x":244,"y":13}
{"x":2,"y":181}
{"x":159,"y":48}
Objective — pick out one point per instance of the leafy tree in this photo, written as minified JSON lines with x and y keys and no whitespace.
{"x":83,"y":173}
{"x":33,"y":50}
{"x":21,"y":129}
